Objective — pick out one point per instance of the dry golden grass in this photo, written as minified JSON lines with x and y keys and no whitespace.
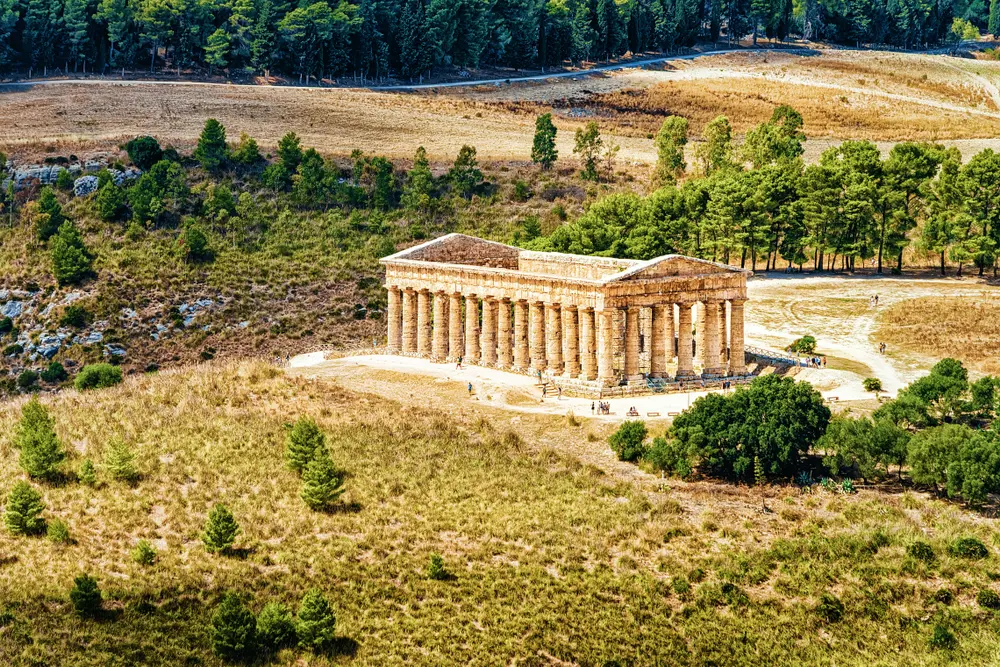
{"x":935,"y":327}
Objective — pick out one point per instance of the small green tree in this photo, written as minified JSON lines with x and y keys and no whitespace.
{"x":50,"y":216}
{"x":247,"y":152}
{"x":803,"y":345}
{"x":55,"y":372}
{"x":196,"y":243}
{"x":41,"y":453}
{"x":144,"y":152}
{"x":419,"y":188}
{"x":628,"y":442}
{"x":316,"y":623}
{"x":87,"y":474}
{"x":290,"y":152}
{"x":436,"y":570}
{"x":543,"y":150}
{"x":64,"y":181}
{"x":304,"y":439}
{"x":217,"y":49}
{"x":322,"y":483}
{"x":111,"y":202}
{"x":670,"y":142}
{"x":23,"y":512}
{"x":220,"y":530}
{"x":119,"y":461}
{"x":97,"y":376}
{"x":144,"y":553}
{"x":873,"y":385}
{"x":71,"y":260}
{"x":589,"y":146}
{"x":85,"y":596}
{"x":234,"y":630}
{"x":465,"y":175}
{"x":275,"y":627}
{"x":212,"y":151}
{"x":57,"y":531}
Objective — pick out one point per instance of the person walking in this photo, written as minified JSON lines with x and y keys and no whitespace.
{"x":458,"y":365}
{"x":470,"y":389}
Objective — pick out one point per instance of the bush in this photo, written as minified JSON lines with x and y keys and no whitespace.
{"x":70,"y":258}
{"x":144,"y":152}
{"x":804,"y":345}
{"x":304,"y":439}
{"x":58,"y":532}
{"x":873,"y":385}
{"x":119,"y":461}
{"x":921,"y":551}
{"x":988,"y":599}
{"x":111,"y":202}
{"x":6,"y":325}
{"x":322,"y":483}
{"x":670,"y":456}
{"x":942,"y":638}
{"x":75,"y":316}
{"x":27,"y":379}
{"x":87,"y":474}
{"x":12,"y":349}
{"x":41,"y":452}
{"x":196,"y":242}
{"x":85,"y":596}
{"x":97,"y":376}
{"x":436,"y":569}
{"x":316,"y":623}
{"x":144,"y":553}
{"x":830,"y":608}
{"x":220,"y":530}
{"x":22,"y":515}
{"x":54,"y":373}
{"x":628,"y":442}
{"x":234,"y":630}
{"x":275,"y":627}
{"x":64,"y":181}
{"x":969,"y":547}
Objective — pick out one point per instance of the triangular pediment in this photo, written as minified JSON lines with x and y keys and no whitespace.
{"x":670,"y":266}
{"x":461,"y":249}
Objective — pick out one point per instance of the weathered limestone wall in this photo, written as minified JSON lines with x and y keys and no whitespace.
{"x":572,"y":266}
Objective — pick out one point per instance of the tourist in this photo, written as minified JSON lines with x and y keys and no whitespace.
{"x":559,"y":396}
{"x":458,"y":365}
{"x":824,"y":361}
{"x":470,"y":389}
{"x":591,"y":407}
{"x":545,"y":391}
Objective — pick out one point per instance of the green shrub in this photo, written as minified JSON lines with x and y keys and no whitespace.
{"x":436,"y":569}
{"x":220,"y":530}
{"x":304,"y":438}
{"x":275,"y":627}
{"x":830,"y":608}
{"x":71,"y":260}
{"x":670,"y":456}
{"x":27,"y":379}
{"x":681,"y":585}
{"x":322,"y":483}
{"x":921,"y":551}
{"x":87,"y":474}
{"x":54,"y":373}
{"x":196,"y":242}
{"x":111,"y":202}
{"x":943,"y":595}
{"x":873,"y":385}
{"x":97,"y":376}
{"x":804,"y":345}
{"x":6,"y":325}
{"x":12,"y":349}
{"x":988,"y":599}
{"x":316,"y":623}
{"x":628,"y":442}
{"x":969,"y":547}
{"x":144,"y":553}
{"x":144,"y":152}
{"x":119,"y":461}
{"x":23,"y":512}
{"x":57,"y":531}
{"x":64,"y":181}
{"x":75,"y":316}
{"x":85,"y":596}
{"x":942,"y":638}
{"x":41,"y":452}
{"x":234,"y":630}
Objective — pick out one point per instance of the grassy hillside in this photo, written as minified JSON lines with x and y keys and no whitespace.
{"x":552,"y":560}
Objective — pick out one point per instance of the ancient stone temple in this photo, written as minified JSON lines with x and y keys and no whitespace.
{"x":594,"y":321}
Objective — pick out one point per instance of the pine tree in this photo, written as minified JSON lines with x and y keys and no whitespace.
{"x":111,"y":202}
{"x":212,"y":151}
{"x":316,"y":623}
{"x":217,"y":50}
{"x":87,"y":474}
{"x":304,"y":439}
{"x":290,"y":152}
{"x":85,"y":596}
{"x":220,"y":530}
{"x":543,"y":151}
{"x":322,"y":483}
{"x":993,"y":25}
{"x":670,"y":142}
{"x":144,"y":553}
{"x":588,"y":145}
{"x":57,"y":531}
{"x":76,"y":17}
{"x":234,"y":630}
{"x":275,"y":627}
{"x":119,"y":461}
{"x":71,"y":260}
{"x":465,"y":175}
{"x":419,"y":183}
{"x":262,"y":47}
{"x":50,"y":214}
{"x":22,"y":514}
{"x":41,"y":453}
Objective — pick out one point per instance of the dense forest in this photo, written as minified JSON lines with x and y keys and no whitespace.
{"x":410,"y":38}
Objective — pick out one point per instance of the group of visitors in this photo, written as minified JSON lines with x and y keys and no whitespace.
{"x":545,"y":391}
{"x":601,"y":407}
{"x":881,"y":348}
{"x":816,"y":362}
{"x":632,"y":412}
{"x":873,"y":301}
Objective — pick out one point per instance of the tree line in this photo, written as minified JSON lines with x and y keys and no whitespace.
{"x":757,"y":202}
{"x":408,"y":38}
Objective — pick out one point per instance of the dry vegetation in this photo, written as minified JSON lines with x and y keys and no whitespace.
{"x":935,"y":327}
{"x":553,"y":560}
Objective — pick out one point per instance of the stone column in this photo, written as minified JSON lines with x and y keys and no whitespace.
{"x":553,"y":337}
{"x":685,"y":363}
{"x":723,"y":338}
{"x":489,"y":332}
{"x":605,"y":358}
{"x":424,"y":323}
{"x":439,"y":352}
{"x":632,"y":343}
{"x":472,"y":329}
{"x":658,"y":354}
{"x":588,"y":348}
{"x":669,"y":334}
{"x":455,"y":327}
{"x":737,"y":356}
{"x":712,"y":368}
{"x":395,"y":315}
{"x":699,"y":334}
{"x":538,"y":361}
{"x":571,"y":341}
{"x":521,"y":357}
{"x":409,"y":321}
{"x":504,"y":357}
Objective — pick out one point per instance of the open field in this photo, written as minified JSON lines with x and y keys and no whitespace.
{"x":884,"y":97}
{"x":554,"y":561}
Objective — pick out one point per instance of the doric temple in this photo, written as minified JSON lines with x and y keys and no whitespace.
{"x":593,"y":320}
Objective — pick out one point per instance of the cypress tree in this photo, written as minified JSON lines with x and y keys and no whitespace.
{"x":543,"y":151}
{"x":316,"y":623}
{"x":322,"y":483}
{"x":220,"y":530}
{"x":41,"y":453}
{"x":303,"y":440}
{"x":22,"y":514}
{"x":234,"y":630}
